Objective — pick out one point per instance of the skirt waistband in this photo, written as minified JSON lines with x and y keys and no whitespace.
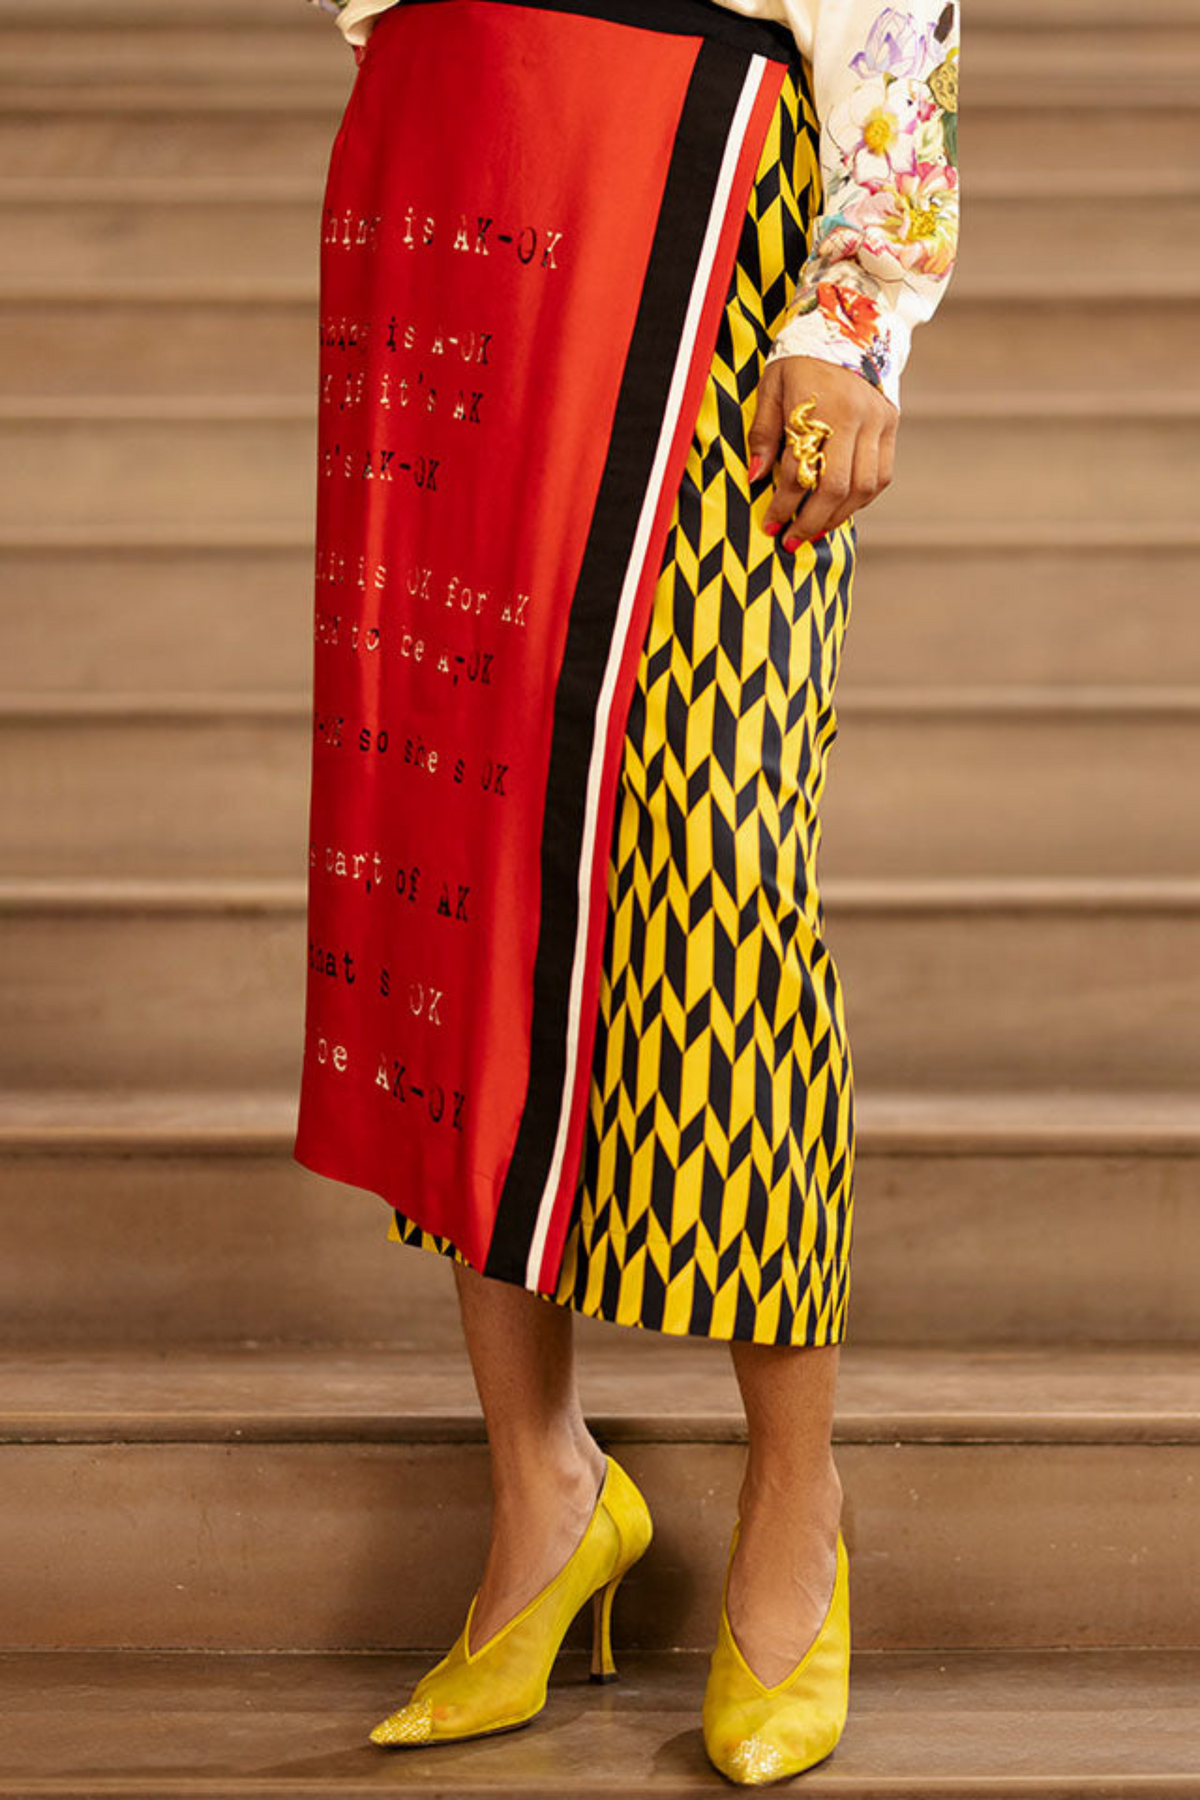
{"x":677,"y":18}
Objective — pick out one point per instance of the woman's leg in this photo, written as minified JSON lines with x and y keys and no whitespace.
{"x":546,"y":1466}
{"x":781,"y":1579}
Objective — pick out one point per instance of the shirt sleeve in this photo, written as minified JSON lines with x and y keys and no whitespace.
{"x":885,"y":85}
{"x":355,"y":18}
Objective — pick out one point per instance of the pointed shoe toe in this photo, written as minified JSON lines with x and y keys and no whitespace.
{"x":756,"y":1734}
{"x":412,"y":1724}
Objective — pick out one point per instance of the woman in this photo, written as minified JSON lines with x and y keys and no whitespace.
{"x":612,"y":333}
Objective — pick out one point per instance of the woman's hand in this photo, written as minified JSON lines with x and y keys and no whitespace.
{"x":858,"y":453}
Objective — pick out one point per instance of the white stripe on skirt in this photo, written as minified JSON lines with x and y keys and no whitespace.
{"x":633,"y":577}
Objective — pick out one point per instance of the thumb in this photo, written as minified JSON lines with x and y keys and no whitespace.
{"x":766,"y":429}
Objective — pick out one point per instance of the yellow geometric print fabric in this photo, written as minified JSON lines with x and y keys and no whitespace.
{"x":716,"y":1181}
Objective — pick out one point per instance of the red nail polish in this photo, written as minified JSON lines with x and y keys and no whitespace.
{"x":772,"y":528}
{"x":755,"y":466}
{"x":792,"y":543}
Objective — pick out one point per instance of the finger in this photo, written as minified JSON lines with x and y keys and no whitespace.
{"x":887,"y":457}
{"x":787,"y":497}
{"x":766,"y":428}
{"x":864,"y":478}
{"x":832,"y":490}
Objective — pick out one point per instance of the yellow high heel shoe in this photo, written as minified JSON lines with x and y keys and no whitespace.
{"x":756,"y":1734}
{"x":501,"y":1685}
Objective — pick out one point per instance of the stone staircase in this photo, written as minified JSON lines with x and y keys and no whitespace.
{"x":242,"y":1479}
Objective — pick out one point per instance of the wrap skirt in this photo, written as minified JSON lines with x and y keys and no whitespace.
{"x":570,"y":1010}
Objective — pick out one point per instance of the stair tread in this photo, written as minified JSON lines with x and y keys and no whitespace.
{"x":240,"y":1119}
{"x":299,"y":406}
{"x":684,"y":1389}
{"x":924,"y":538}
{"x":990,"y":15}
{"x":922,"y":894}
{"x":971,"y":1724}
{"x":262,"y":189}
{"x":946,"y":700}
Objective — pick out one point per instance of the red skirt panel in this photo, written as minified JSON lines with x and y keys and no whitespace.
{"x":530,"y":225}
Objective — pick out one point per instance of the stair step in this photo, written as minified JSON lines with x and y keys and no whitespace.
{"x":65,"y":132}
{"x":1035,"y":612}
{"x":287,"y":132}
{"x":639,"y":1388}
{"x":1000,"y":405}
{"x":943,"y":1725}
{"x":996,"y":15}
{"x":1083,"y":1207}
{"x":237,"y":618}
{"x":200,"y":475}
{"x":89,"y":347}
{"x":964,"y":984}
{"x":988,"y":781}
{"x":195,"y":54}
{"x":265,"y":1499}
{"x":1159,"y":62}
{"x":988,"y":15}
{"x":1004,"y":781}
{"x":94,"y":348}
{"x":286,"y":186}
{"x":230,"y":619}
{"x":60,"y":244}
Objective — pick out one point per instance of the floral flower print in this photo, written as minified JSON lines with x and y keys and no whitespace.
{"x":895,"y":46}
{"x":886,"y":89}
{"x":855,"y":314}
{"x":943,"y":82}
{"x":875,"y":128}
{"x":887,"y":237}
{"x":907,"y":224}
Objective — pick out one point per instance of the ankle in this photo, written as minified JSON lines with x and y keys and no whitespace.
{"x":549,"y":1476}
{"x":808,"y":1494}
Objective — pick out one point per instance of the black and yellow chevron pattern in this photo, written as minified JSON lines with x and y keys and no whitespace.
{"x":715,"y":1192}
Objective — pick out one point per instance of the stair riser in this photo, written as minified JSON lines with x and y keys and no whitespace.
{"x":232,"y":620}
{"x":116,"y":347}
{"x":216,"y":474}
{"x":1079,"y":1248}
{"x":286,"y":1546}
{"x":1070,"y":347}
{"x":209,"y":620}
{"x":170,"y":999}
{"x":1072,"y":66}
{"x":252,"y":143}
{"x":311,"y":53}
{"x":1009,"y":794}
{"x":1087,"y":1248}
{"x":115,"y":141}
{"x":922,"y":795}
{"x":1053,"y":16}
{"x":217,"y":797}
{"x":935,"y":999}
{"x":1021,"y":1000}
{"x":1087,"y":615}
{"x":1066,"y":235}
{"x":102,"y":348}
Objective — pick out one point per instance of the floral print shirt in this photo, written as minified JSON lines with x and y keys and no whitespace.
{"x":885,"y":85}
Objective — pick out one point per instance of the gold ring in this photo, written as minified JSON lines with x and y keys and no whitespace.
{"x":805,"y":436}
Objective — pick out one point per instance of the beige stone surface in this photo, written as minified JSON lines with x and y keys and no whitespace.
{"x":990,"y":1726}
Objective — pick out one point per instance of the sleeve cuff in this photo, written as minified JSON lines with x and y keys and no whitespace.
{"x":841,"y":325}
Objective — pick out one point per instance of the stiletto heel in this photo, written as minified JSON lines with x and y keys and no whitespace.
{"x":603,"y":1666}
{"x":502,"y":1684}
